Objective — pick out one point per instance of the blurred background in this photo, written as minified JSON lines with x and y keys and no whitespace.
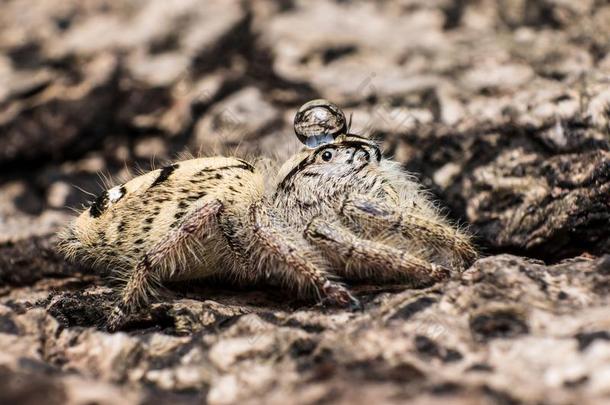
{"x":501,"y":108}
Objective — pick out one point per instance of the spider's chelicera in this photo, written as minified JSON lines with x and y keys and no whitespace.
{"x":336,"y":212}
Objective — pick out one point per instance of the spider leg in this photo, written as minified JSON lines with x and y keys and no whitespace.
{"x":147,"y":272}
{"x":411,"y":225}
{"x":294,"y":260}
{"x":364,"y":258}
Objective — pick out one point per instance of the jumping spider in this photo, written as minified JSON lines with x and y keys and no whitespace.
{"x":338,"y":210}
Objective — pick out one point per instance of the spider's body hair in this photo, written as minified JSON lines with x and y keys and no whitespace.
{"x":339,"y":210}
{"x":308,"y":189}
{"x":129,"y":219}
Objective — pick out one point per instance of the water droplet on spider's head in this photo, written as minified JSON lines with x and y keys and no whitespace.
{"x":318,"y":122}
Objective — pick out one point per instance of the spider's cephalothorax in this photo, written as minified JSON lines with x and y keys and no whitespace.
{"x":336,"y":211}
{"x":315,"y":182}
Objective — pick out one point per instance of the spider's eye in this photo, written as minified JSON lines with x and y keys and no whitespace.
{"x":327,"y":156}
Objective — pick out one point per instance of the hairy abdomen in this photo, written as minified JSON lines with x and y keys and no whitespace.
{"x":128,"y":220}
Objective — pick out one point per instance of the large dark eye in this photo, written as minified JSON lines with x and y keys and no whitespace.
{"x":327,"y":156}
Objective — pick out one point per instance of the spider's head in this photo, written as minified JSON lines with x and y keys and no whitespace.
{"x":337,"y":162}
{"x":344,"y":158}
{"x":343,"y":163}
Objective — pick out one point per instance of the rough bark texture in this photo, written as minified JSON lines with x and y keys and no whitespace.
{"x":502,"y":108}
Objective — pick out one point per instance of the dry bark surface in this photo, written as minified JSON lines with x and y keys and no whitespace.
{"x":501,"y":108}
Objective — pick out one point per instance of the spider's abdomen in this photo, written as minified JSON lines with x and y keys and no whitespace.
{"x":127,"y":220}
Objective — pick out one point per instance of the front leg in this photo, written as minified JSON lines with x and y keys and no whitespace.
{"x":284,"y":252}
{"x":363,"y":258}
{"x":411,"y":224}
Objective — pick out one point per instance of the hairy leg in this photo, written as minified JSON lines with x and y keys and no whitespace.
{"x":147,"y":272}
{"x":287,"y":254}
{"x":365,"y":258}
{"x":410,"y":224}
